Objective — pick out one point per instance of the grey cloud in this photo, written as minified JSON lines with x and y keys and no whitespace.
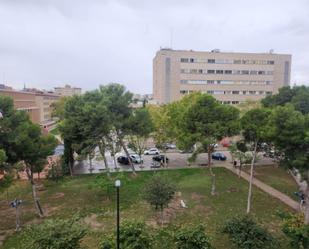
{"x":87,"y":43}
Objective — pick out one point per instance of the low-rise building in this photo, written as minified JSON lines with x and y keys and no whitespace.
{"x":25,"y":101}
{"x":37,"y":103}
{"x":67,"y":90}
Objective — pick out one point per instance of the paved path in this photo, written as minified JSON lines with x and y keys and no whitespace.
{"x":268,"y":189}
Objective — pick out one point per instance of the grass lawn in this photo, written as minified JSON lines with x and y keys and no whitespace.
{"x":83,"y":196}
{"x":55,"y":131}
{"x":278,"y":178}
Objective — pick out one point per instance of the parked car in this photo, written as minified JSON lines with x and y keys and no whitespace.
{"x":152,"y":151}
{"x":160,"y":158}
{"x":136,"y":158}
{"x":218,"y":156}
{"x":187,"y":151}
{"x":155,"y":164}
{"x":123,"y":160}
{"x":170,"y":146}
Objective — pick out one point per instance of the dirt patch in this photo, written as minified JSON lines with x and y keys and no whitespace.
{"x":201,"y":209}
{"x":40,"y":188}
{"x":169,"y":213}
{"x":57,"y":196}
{"x":197,"y":197}
{"x":92,"y":221}
{"x":232,"y":190}
{"x":51,"y":210}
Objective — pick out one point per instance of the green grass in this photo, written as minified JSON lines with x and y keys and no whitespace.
{"x":277,"y":178}
{"x":83,"y":196}
{"x":55,"y":131}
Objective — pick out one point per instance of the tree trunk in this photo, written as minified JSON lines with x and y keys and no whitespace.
{"x":115,"y":163}
{"x":102,"y":148}
{"x":307,"y":201}
{"x":34,"y":194}
{"x":213,"y":176}
{"x":240,"y":168}
{"x":128,"y":155}
{"x":90,"y":164}
{"x":71,"y":160}
{"x":251,"y":179}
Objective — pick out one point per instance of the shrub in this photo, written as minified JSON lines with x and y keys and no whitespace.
{"x":159,"y":191}
{"x":297,"y":231}
{"x":247,"y":234}
{"x":133,"y":235}
{"x":192,"y":238}
{"x":54,"y":234}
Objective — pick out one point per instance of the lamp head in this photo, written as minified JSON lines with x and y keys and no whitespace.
{"x":117,"y":183}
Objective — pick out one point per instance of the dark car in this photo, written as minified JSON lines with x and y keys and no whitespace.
{"x":159,"y":158}
{"x":218,"y":156}
{"x":123,"y":160}
{"x":170,"y":146}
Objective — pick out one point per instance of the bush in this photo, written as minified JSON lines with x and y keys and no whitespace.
{"x":133,"y":235}
{"x":54,"y":234}
{"x":297,"y":231}
{"x":247,"y":234}
{"x":159,"y":191}
{"x":192,"y":238}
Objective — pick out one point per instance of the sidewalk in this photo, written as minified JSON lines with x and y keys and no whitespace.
{"x":266,"y":188}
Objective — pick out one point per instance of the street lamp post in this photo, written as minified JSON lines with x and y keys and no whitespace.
{"x":117,"y":185}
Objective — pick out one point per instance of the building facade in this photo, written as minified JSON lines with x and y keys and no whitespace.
{"x":67,"y":90}
{"x":37,"y":104}
{"x":24,"y":101}
{"x":231,"y":78}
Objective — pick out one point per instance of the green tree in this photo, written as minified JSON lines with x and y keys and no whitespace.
{"x":117,"y":101}
{"x":296,"y":230}
{"x":204,"y":123}
{"x":254,"y":126}
{"x":162,"y":127}
{"x":298,"y":96}
{"x":158,"y":192}
{"x":59,"y":107}
{"x":71,"y":130}
{"x":141,"y":127}
{"x":23,"y":141}
{"x":239,"y":151}
{"x":289,"y":131}
{"x":53,"y":234}
{"x":192,"y":238}
{"x":245,"y":233}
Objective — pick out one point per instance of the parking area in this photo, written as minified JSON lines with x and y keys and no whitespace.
{"x":176,"y":160}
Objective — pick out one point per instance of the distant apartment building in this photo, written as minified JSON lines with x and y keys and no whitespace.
{"x":37,"y":104}
{"x":231,"y":78}
{"x":67,"y":90}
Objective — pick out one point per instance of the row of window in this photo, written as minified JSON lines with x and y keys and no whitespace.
{"x":227,"y":61}
{"x":235,"y":72}
{"x":225,"y":82}
{"x":221,"y":92}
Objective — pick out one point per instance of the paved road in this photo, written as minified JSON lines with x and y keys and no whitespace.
{"x":176,"y":160}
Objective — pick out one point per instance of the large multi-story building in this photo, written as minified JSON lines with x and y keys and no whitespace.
{"x":37,"y":103}
{"x":67,"y":90}
{"x":231,"y":78}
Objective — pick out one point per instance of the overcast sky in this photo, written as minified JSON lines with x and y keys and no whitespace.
{"x":85,"y":43}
